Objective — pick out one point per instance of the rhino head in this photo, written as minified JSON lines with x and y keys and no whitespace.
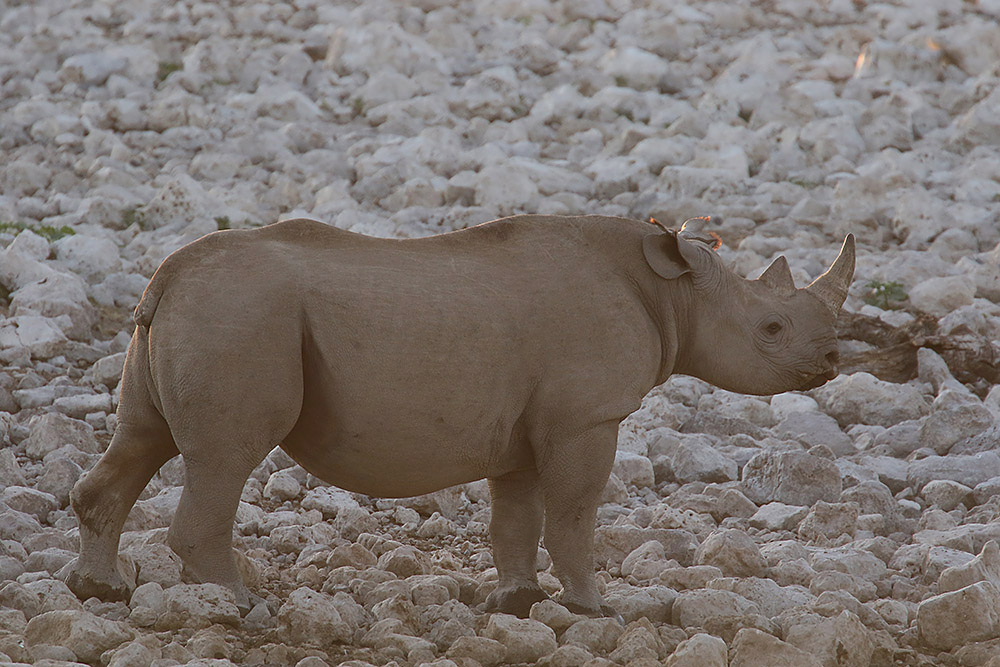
{"x":762,"y":336}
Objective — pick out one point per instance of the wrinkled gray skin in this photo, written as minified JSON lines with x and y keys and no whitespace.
{"x":509,"y":351}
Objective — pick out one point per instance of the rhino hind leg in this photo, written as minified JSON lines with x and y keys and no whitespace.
{"x":517,"y":512}
{"x":576,"y":472}
{"x":201,"y":532}
{"x":102,"y":499}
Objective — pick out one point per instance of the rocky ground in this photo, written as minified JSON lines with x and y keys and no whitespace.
{"x":853,"y":525}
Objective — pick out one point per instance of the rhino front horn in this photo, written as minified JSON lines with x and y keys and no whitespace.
{"x":831,"y":287}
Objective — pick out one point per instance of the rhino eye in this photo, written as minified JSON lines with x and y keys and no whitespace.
{"x":772,"y":328}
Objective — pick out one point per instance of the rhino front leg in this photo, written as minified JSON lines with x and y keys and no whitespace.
{"x":576,"y":470}
{"x":515,"y":526}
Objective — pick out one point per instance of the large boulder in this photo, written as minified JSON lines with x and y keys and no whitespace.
{"x":83,"y":633}
{"x":754,"y":648}
{"x":310,"y":618}
{"x":524,"y":639}
{"x":862,"y":398}
{"x":958,"y":618}
{"x":793,"y":478}
{"x":733,"y":552}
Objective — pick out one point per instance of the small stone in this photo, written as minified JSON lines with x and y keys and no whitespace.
{"x":59,"y":478}
{"x":568,"y":656}
{"x":816,"y":428}
{"x":597,"y":635}
{"x":830,"y":580}
{"x":613,"y":543}
{"x":554,"y":615}
{"x":733,"y":552}
{"x":524,"y":639}
{"x":83,"y":633}
{"x":862,"y":398}
{"x":940,"y":296}
{"x":81,"y":405}
{"x":645,"y":562}
{"x":701,"y":650}
{"x":312,"y":619}
{"x":634,"y":469}
{"x":984,"y":491}
{"x":984,"y":567}
{"x":843,"y":639}
{"x":404,"y":561}
{"x":969,"y":470}
{"x":51,"y":431}
{"x":943,"y":428}
{"x":732,"y":503}
{"x":30,"y":501}
{"x":693,"y":608}
{"x":945,"y":493}
{"x":638,"y":642}
{"x":829,"y":521}
{"x":694,"y":459}
{"x":15,"y":525}
{"x":778,"y":516}
{"x":487,"y":652}
{"x":753,"y":648}
{"x":794,"y":478}
{"x":49,"y":560}
{"x":506,"y":189}
{"x":156,"y":563}
{"x":149,"y":595}
{"x":958,"y":618}
{"x":197,"y":606}
{"x":685,"y":578}
{"x":282,"y":486}
{"x":632,"y":602}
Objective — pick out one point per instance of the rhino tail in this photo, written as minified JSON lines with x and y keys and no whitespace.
{"x":144,"y":312}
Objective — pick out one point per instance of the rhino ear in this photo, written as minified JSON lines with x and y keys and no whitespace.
{"x":669,"y":255}
{"x":663,"y":256}
{"x":778,"y":276}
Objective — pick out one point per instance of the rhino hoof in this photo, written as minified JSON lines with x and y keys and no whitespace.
{"x":516,"y":601}
{"x":112,"y":587}
{"x":604,"y":611}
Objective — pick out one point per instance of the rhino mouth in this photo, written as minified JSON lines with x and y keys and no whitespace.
{"x":814,"y":381}
{"x":818,"y":380}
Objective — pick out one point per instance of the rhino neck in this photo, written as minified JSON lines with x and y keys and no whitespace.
{"x":668,"y":304}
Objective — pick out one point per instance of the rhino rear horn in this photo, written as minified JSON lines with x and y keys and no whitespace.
{"x":831,"y":287}
{"x":778,"y":276}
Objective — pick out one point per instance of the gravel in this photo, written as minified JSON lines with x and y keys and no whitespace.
{"x":856,"y":524}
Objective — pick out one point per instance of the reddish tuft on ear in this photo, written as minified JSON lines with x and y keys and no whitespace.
{"x":718,"y":240}
{"x":654,"y":221}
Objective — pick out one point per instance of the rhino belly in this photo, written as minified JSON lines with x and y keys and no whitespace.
{"x":393,"y":460}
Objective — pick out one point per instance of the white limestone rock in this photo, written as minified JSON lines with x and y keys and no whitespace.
{"x":633,"y":469}
{"x":958,"y":618}
{"x":312,"y":619}
{"x":793,"y":478}
{"x":523,"y":639}
{"x":733,"y":552}
{"x":861,"y":398}
{"x":700,"y":650}
{"x":87,"y":636}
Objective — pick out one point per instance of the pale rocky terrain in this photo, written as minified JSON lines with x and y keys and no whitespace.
{"x":853,"y":525}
